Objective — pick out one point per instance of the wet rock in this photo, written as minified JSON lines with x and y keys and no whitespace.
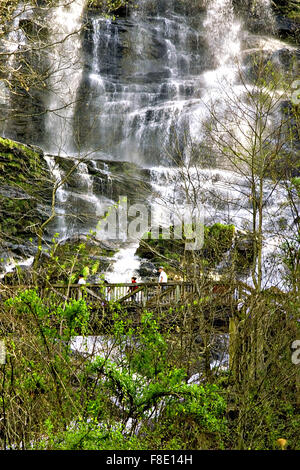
{"x":110,"y":179}
{"x":25,"y":192}
{"x":76,"y":254}
{"x":116,"y":178}
{"x":288,"y":28}
{"x":147,"y":270}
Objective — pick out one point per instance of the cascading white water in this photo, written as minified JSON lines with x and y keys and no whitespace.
{"x":224,"y":198}
{"x":166,"y":90}
{"x":137,"y":89}
{"x":124,"y":264}
{"x":61,"y":196}
{"x":66,"y":58}
{"x":65,"y":74}
{"x":15,"y":39}
{"x":129,"y":100}
{"x":223,"y":32}
{"x":89,"y":206}
{"x":220,"y":83}
{"x":11,"y":265}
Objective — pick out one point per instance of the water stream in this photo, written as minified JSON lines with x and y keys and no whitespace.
{"x":64,"y":76}
{"x":140,"y":89}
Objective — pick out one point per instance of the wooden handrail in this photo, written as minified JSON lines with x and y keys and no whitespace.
{"x":144,"y":293}
{"x":100,"y":284}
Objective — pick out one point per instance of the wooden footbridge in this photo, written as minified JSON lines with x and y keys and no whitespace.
{"x":144,"y":295}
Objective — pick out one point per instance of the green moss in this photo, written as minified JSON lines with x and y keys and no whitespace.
{"x":218,"y":239}
{"x":108,"y":6}
{"x":30,"y":162}
{"x":289,"y":8}
{"x":24,"y":186}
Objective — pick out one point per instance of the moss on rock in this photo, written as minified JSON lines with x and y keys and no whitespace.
{"x":25,"y":188}
{"x":118,"y":7}
{"x":220,"y":241}
{"x":75,"y":255}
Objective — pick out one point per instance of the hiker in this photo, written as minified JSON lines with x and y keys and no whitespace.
{"x":162,"y":277}
{"x":81,"y":279}
{"x":107,"y":291}
{"x":133,"y":288}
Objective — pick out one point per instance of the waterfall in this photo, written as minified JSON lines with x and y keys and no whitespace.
{"x":223,"y":32}
{"x":179,"y":67}
{"x":124,"y":264}
{"x":140,"y":89}
{"x":12,"y":264}
{"x":134,"y":104}
{"x":59,"y":226}
{"x":11,"y":43}
{"x":86,"y":183}
{"x":224,"y":197}
{"x":65,"y":74}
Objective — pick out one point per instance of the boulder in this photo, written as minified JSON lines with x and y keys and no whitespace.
{"x":74,"y":255}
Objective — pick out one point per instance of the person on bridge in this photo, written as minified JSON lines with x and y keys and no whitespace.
{"x":107,"y":290}
{"x":81,"y":279}
{"x":133,"y":288}
{"x":162,"y":277}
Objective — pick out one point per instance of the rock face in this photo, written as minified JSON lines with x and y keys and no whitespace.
{"x":25,"y":199}
{"x":114,"y":179}
{"x":287,"y":19}
{"x":107,"y":178}
{"x":25,"y":192}
{"x":91,"y":189}
{"x":26,"y":185}
{"x":278,"y":16}
{"x":223,"y":246}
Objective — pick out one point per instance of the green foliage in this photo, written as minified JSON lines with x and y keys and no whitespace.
{"x":133,"y":395}
{"x":150,"y":357}
{"x":218,"y":239}
{"x":90,"y":436}
{"x":98,"y":403}
{"x":290,"y":8}
{"x":74,"y":315}
{"x":295,"y":183}
{"x":67,"y":260}
{"x":109,"y":6}
{"x":146,"y":381}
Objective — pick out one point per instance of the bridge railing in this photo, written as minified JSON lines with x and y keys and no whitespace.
{"x":139,"y":293}
{"x":144,"y":294}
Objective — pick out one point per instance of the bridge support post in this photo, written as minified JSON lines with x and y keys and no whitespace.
{"x":177,"y":293}
{"x":145,"y":296}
